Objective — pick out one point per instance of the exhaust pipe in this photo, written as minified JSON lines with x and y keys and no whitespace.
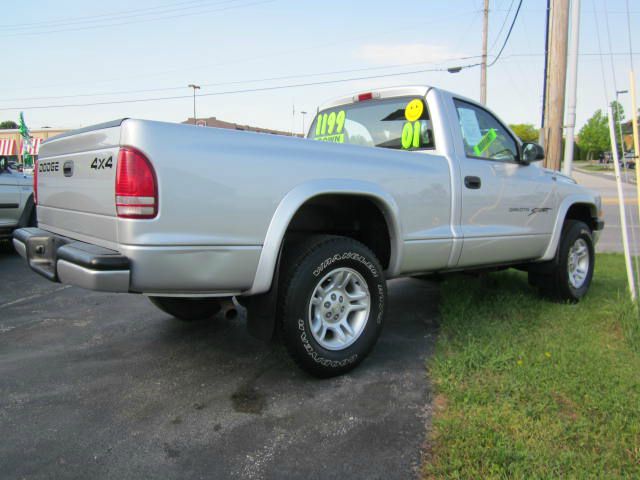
{"x":228,"y":308}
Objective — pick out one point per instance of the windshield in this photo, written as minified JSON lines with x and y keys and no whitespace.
{"x":398,"y":123}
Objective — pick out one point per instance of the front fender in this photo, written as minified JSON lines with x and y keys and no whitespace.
{"x":565,"y":205}
{"x":299,"y":195}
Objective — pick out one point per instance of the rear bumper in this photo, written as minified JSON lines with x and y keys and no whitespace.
{"x":64,"y":260}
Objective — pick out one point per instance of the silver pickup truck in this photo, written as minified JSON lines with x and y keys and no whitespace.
{"x":305,"y":232}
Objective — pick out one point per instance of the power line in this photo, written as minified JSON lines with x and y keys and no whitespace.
{"x":340,"y":41}
{"x":504,"y":22}
{"x":237,"y":82}
{"x":472,"y":65}
{"x":143,"y":20}
{"x":513,"y":22}
{"x":284,"y":77}
{"x":613,"y":70}
{"x":229,"y":92}
{"x":629,"y":35}
{"x":106,"y":16}
{"x":604,"y":77}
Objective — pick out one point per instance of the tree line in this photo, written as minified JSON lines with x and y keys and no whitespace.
{"x":593,"y":139}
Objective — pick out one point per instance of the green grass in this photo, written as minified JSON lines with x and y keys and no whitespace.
{"x":526,"y":388}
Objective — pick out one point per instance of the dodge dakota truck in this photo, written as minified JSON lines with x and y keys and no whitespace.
{"x":305,"y":231}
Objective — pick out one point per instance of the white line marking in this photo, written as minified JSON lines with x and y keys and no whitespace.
{"x":31,"y":297}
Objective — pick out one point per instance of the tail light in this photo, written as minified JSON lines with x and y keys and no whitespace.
{"x":35,"y":182}
{"x":136,"y":185}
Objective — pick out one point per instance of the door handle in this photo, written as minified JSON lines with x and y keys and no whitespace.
{"x":472,"y":182}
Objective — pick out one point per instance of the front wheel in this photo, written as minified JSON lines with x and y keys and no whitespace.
{"x":571,"y":276}
{"x":187,"y":309}
{"x":333,"y":301}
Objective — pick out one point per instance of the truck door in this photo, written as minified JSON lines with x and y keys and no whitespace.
{"x":9,"y":198}
{"x":507,"y":208}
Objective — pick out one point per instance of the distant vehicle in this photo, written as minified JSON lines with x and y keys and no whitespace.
{"x":16,"y":200}
{"x":13,"y":165}
{"x":305,"y":233}
{"x":630,"y":159}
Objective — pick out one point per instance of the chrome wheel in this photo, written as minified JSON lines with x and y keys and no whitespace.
{"x":339,"y":308}
{"x":578,"y":263}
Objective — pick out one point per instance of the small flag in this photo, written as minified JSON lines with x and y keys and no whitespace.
{"x":27,"y":142}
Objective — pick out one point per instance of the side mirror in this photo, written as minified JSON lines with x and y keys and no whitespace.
{"x":531,"y":152}
{"x":3,"y":164}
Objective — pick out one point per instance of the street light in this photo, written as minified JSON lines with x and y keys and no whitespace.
{"x":303,"y":114}
{"x":195,"y":87}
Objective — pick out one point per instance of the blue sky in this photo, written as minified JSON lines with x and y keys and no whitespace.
{"x":77,"y":49}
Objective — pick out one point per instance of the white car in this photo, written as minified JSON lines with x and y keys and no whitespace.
{"x":16,"y":200}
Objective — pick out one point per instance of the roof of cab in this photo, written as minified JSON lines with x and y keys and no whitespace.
{"x":380,"y":93}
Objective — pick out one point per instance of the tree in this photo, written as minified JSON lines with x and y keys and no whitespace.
{"x":8,"y":124}
{"x":525,"y":131}
{"x":593,"y":138}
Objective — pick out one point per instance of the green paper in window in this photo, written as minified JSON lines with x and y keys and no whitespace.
{"x":485,"y":142}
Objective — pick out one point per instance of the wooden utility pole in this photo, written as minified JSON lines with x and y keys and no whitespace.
{"x":555,"y":92}
{"x":573,"y":86}
{"x":483,"y":65}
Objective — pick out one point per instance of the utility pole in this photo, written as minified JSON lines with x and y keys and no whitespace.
{"x":303,"y":113}
{"x":195,"y":87}
{"x":573,"y":85}
{"x":621,"y":206}
{"x":293,"y":120}
{"x":483,"y":65}
{"x":546,"y":74}
{"x":555,"y":91}
{"x":617,"y":118}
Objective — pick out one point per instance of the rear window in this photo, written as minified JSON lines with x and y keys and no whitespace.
{"x":399,"y":123}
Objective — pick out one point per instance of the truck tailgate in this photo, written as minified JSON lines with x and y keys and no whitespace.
{"x":76,"y":178}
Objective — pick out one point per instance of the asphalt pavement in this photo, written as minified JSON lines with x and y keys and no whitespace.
{"x":105,"y":386}
{"x":611,"y":238}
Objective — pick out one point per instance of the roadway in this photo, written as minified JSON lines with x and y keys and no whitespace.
{"x":611,"y":239}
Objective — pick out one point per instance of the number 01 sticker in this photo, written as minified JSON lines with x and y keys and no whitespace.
{"x":411,"y":135}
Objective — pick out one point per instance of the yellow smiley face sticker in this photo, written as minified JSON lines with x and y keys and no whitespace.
{"x":413,"y":110}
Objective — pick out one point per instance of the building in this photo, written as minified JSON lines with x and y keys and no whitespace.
{"x":214,"y":122}
{"x":11,"y":142}
{"x":627,"y":135}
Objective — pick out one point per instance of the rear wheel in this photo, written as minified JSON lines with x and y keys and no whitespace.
{"x":332,"y":305}
{"x":187,"y":309}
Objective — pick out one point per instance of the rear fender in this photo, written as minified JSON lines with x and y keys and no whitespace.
{"x":296,"y":198}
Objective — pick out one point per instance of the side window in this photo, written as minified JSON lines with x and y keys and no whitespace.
{"x":483,"y":135}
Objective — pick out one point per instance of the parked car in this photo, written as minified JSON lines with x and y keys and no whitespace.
{"x":16,"y":200}
{"x":13,"y":165}
{"x":305,"y":232}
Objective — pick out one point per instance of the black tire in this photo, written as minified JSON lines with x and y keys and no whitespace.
{"x":33,"y":219}
{"x":304,"y":267}
{"x":557,"y":284}
{"x":187,"y":309}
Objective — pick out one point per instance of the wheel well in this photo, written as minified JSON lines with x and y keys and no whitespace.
{"x":584,"y":213}
{"x":354,"y":216}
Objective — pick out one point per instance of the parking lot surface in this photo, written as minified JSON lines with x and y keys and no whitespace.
{"x":96,"y":385}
